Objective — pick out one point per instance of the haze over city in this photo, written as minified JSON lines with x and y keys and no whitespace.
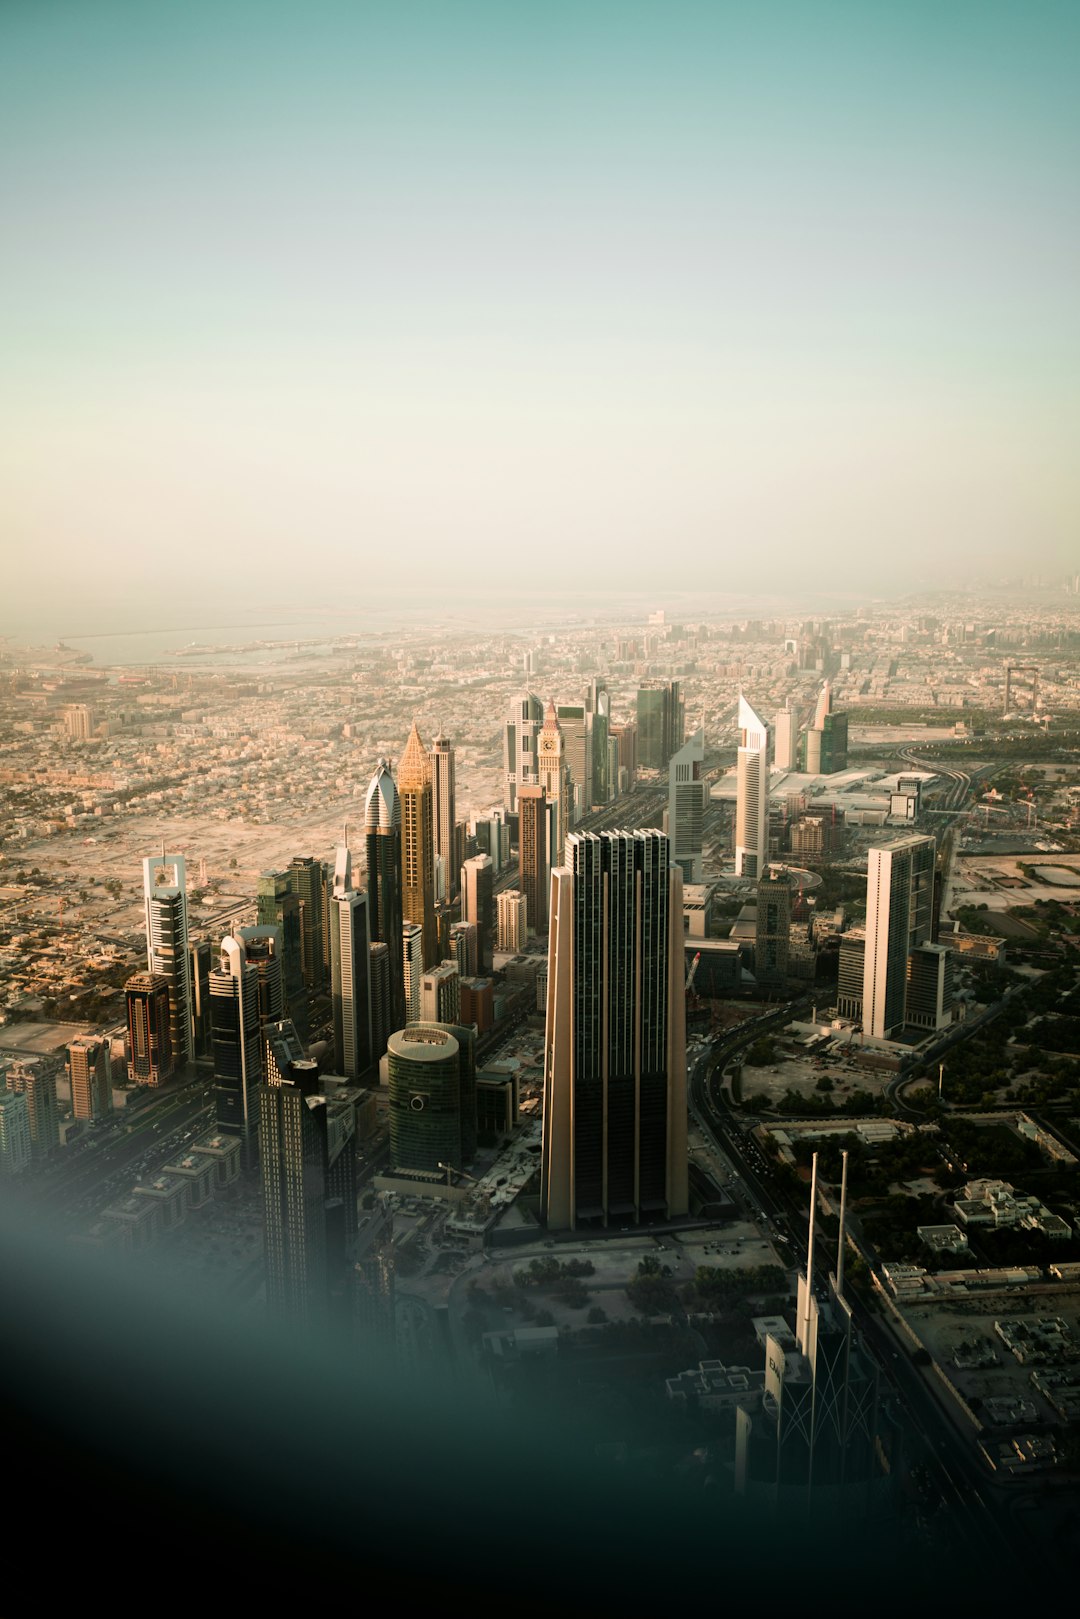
{"x":552,"y":293}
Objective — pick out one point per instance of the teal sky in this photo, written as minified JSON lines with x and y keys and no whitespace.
{"x":302,"y":302}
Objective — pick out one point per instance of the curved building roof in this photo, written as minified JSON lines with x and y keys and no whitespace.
{"x":382,"y":807}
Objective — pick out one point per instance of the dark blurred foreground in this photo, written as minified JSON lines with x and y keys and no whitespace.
{"x":163,"y":1443}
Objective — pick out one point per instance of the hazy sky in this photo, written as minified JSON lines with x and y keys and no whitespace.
{"x":303,"y":301}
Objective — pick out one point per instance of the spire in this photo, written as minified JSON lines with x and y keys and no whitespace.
{"x":382,"y":807}
{"x":414,"y":766}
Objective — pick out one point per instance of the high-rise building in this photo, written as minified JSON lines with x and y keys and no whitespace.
{"x":16,"y":1144}
{"x":440,"y":994}
{"x":477,"y":905}
{"x":614,"y":1143}
{"x":785,"y":738}
{"x":417,"y":842}
{"x":533,"y":857}
{"x":625,"y":759}
{"x":412,"y":967}
{"x":308,"y":881}
{"x":79,"y":721}
{"x":382,"y":830}
{"x":899,"y":919}
{"x":575,"y":723}
{"x":350,"y":982}
{"x":825,"y":742}
{"x":519,"y":746}
{"x":686,"y":806}
{"x":35,"y":1078}
{"x":432,"y":1070}
{"x":660,"y":724}
{"x":751,"y":794}
{"x":277,"y":905}
{"x":90,"y":1067}
{"x":513,"y":916}
{"x":598,"y":706}
{"x":380,"y":999}
{"x":444,"y":818}
{"x":851,"y":970}
{"x":149,"y":1029}
{"x":773,"y":928}
{"x":167,"y":952}
{"x":237,"y":1034}
{"x":294,"y":1154}
{"x":554,"y":778}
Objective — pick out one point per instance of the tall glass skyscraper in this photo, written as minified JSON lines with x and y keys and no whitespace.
{"x":382,"y":831}
{"x":167,"y":952}
{"x":417,"y":843}
{"x":614,"y":1146}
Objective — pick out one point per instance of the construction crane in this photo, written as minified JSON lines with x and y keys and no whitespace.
{"x":692,"y":972}
{"x":450,"y":1170}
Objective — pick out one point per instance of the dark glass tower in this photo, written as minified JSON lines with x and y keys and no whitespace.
{"x":237,"y":1046}
{"x":278,"y":906}
{"x":615,"y":1074}
{"x":306,"y":879}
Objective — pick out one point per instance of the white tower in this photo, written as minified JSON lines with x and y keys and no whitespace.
{"x":752,"y":794}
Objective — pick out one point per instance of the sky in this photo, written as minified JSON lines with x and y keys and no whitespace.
{"x":330,"y":303}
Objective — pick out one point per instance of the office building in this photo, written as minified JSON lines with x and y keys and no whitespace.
{"x":382,"y":829}
{"x":520,"y":734}
{"x":614,"y":1139}
{"x":533,"y":856}
{"x":79,"y":722}
{"x":417,"y":843}
{"x":660,"y":725}
{"x":899,"y":919}
{"x":167,"y":945}
{"x":478,"y":1004}
{"x":575,"y":723}
{"x":149,"y":1029}
{"x":686,"y":806}
{"x":262,"y":950}
{"x":90,"y":1067}
{"x":624,"y":760}
{"x":554,"y":777}
{"x":444,"y":819}
{"x":381,"y":1010}
{"x":277,"y":905}
{"x":432,"y":1069}
{"x":478,"y":905}
{"x":16,"y":1144}
{"x":440,"y":994}
{"x":412,"y":967}
{"x":35,"y":1078}
{"x":785,"y":738}
{"x":513,"y":921}
{"x":307,"y":880}
{"x":751,"y":794}
{"x":237,"y":1035}
{"x":350,"y":981}
{"x":772,"y":932}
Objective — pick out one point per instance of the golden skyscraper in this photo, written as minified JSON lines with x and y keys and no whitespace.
{"x":417,"y":843}
{"x":554,"y":778}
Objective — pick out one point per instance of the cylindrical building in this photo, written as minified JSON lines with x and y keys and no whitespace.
{"x":427,"y":1068}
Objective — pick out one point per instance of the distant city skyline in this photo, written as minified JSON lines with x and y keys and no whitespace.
{"x":785,"y":291}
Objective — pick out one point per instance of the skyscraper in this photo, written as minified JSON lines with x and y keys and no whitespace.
{"x":16,"y":1144}
{"x":382,"y":830}
{"x":899,"y":920}
{"x":262,"y":950}
{"x":464,"y":948}
{"x":575,"y":723}
{"x":784,"y":745}
{"x":478,"y":905}
{"x":277,"y":905}
{"x":554,"y":778}
{"x":440,"y":994}
{"x":614,"y":1144}
{"x":307,"y":882}
{"x":598,"y":705}
{"x":35,"y":1078}
{"x":660,"y":721}
{"x":444,"y":818}
{"x":519,"y":746}
{"x":752,"y":794}
{"x":293,"y":1151}
{"x":533,"y":854}
{"x":167,"y":953}
{"x":417,"y":842}
{"x":149,"y":1029}
{"x":200,"y":964}
{"x":686,"y":806}
{"x":238,"y":1047}
{"x":773,"y":929}
{"x":350,"y":981}
{"x":825,"y":741}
